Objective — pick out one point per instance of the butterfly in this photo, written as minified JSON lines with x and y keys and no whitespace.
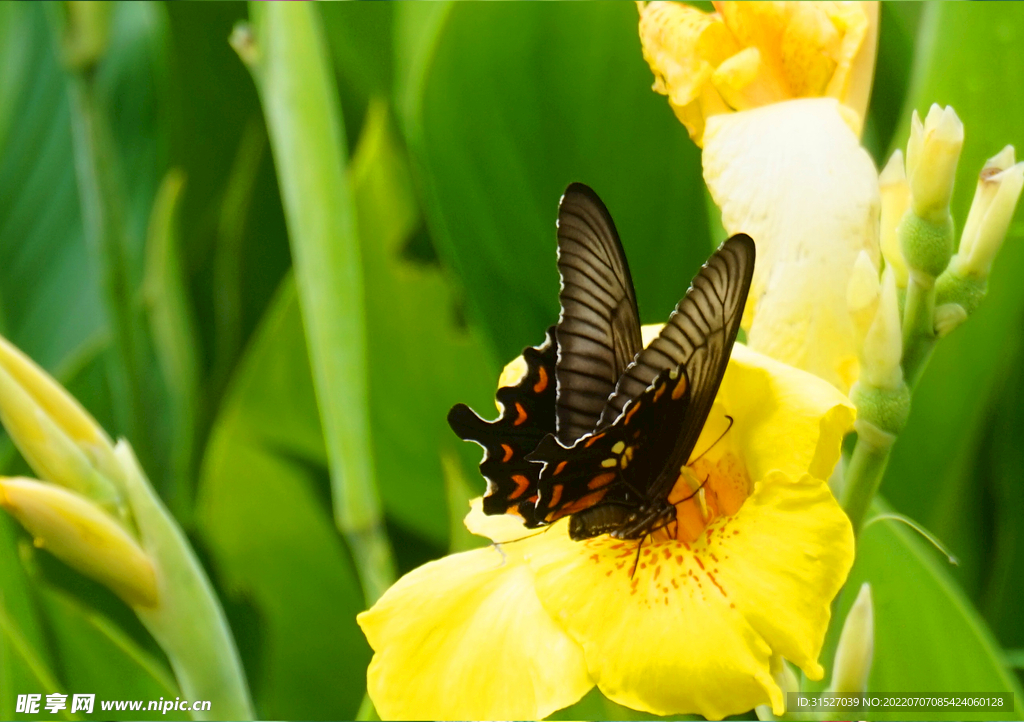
{"x":598,"y":428}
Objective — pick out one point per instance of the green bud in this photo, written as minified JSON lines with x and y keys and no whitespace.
{"x":886,"y":409}
{"x":965,"y":291}
{"x":927,"y":246}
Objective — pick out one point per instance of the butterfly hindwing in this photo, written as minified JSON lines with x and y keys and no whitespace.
{"x":598,"y":329}
{"x":527,"y":416}
{"x":615,"y":465}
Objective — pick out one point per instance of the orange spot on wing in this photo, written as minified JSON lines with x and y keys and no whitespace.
{"x":591,"y":440}
{"x":584,"y":502}
{"x":680,"y":388}
{"x":660,"y":390}
{"x":522,"y":484}
{"x":508,"y":452}
{"x":600,"y":480}
{"x":561,"y":465}
{"x":543,"y":383}
{"x":522,"y":414}
{"x":556,"y":495}
{"x":629,"y":414}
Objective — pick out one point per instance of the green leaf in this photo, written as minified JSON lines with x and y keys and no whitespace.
{"x":505,"y":105}
{"x":929,"y":639}
{"x":25,"y":661}
{"x":264,"y":511}
{"x":99,"y":658}
{"x":174,"y":337}
{"x":968,"y":56}
{"x":420,"y":363}
{"x":48,"y":289}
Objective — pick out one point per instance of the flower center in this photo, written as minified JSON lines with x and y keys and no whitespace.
{"x":710,"y":488}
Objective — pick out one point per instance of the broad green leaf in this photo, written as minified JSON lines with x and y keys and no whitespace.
{"x":99,"y":658}
{"x":49,"y":289}
{"x":968,"y":56}
{"x":504,"y":105}
{"x":420,"y":364}
{"x":929,"y":639}
{"x":263,"y":510}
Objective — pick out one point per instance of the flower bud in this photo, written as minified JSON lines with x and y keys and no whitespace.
{"x":995,"y":200}
{"x":856,"y":648}
{"x":895,"y":196}
{"x":82,"y":535}
{"x":932,"y":156}
{"x":57,"y":437}
{"x":862,"y":292}
{"x":883,"y":344}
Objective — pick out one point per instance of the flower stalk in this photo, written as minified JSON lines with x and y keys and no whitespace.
{"x":95,"y":510}
{"x":286,"y":53}
{"x":926,"y":230}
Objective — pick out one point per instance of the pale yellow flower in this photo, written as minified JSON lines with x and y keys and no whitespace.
{"x":523,"y":628}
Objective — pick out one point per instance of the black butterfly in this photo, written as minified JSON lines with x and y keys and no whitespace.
{"x":599,"y":427}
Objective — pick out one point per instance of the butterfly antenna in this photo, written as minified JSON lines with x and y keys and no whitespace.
{"x":636,"y":561}
{"x":715,"y":442}
{"x":522,"y":538}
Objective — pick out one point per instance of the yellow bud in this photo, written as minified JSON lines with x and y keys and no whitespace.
{"x":862,"y":292}
{"x":995,"y":200}
{"x":82,"y":535}
{"x":57,"y":437}
{"x":856,"y":648}
{"x":895,"y":197}
{"x":883,"y":344}
{"x":932,"y":155}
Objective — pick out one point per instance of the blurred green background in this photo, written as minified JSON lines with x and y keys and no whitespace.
{"x":463,"y":124}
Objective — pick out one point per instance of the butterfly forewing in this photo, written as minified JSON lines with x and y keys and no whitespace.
{"x":598,"y":330}
{"x":661,"y":402}
{"x":527,"y":416}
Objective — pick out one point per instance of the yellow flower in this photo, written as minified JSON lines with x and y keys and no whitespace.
{"x":775,"y":93}
{"x":745,"y":576}
{"x":750,"y":54}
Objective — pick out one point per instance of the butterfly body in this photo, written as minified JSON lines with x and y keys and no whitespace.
{"x":625,"y":418}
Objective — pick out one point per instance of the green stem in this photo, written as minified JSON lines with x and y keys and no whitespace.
{"x":864,"y":474}
{"x":187,"y":622}
{"x":288,"y":57}
{"x":918,"y":326}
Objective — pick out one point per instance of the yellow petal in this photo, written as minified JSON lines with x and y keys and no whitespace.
{"x":683,"y":46}
{"x":465,"y":637}
{"x":496,"y":527}
{"x":785,"y":595}
{"x":794,"y":177}
{"x":785,"y":419}
{"x":695,"y":628}
{"x":83,"y":536}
